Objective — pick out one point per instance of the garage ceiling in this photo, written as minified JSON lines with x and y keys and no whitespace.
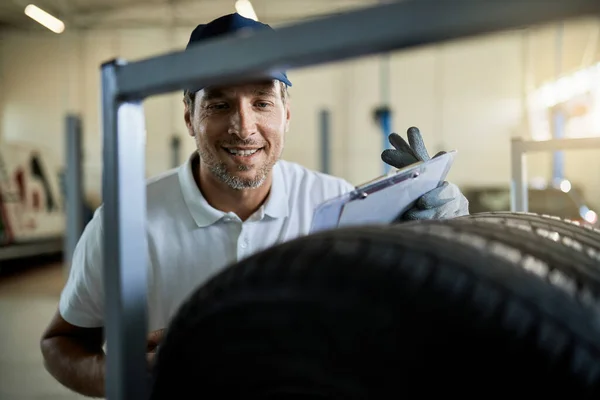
{"x":112,"y":14}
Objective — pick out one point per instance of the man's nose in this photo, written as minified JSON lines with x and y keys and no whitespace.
{"x":243,"y":122}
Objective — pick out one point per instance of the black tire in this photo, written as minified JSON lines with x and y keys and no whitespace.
{"x":375,"y":313}
{"x":569,"y":232}
{"x":563,"y":262}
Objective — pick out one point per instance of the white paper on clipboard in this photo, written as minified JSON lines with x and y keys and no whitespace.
{"x":382,"y":200}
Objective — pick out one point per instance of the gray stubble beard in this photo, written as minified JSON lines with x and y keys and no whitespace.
{"x":219,"y":170}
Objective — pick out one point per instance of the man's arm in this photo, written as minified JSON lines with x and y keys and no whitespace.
{"x":74,"y":356}
{"x":72,"y":344}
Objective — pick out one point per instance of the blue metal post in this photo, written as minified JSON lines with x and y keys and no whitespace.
{"x":558,"y":117}
{"x":385,"y":121}
{"x":383,"y":114}
{"x":558,"y":158}
{"x":325,"y":133}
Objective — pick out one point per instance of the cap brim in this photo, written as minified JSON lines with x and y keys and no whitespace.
{"x":280,"y":76}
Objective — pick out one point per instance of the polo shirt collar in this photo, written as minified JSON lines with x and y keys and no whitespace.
{"x":203,"y":213}
{"x":276,"y":205}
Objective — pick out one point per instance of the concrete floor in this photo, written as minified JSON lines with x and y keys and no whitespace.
{"x":27,"y":302}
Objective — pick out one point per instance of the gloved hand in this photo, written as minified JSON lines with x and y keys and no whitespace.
{"x":445,"y":201}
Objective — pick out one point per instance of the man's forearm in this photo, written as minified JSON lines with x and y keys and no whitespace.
{"x":75,"y":366}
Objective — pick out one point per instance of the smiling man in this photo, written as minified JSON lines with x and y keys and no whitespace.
{"x":232,"y":197}
{"x":239,"y":132}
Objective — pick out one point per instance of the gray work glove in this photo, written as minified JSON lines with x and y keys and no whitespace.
{"x":445,"y":201}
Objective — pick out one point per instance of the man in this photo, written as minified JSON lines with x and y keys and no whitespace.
{"x":231,"y":198}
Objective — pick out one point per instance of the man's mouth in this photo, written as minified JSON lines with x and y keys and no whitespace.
{"x":242,"y":152}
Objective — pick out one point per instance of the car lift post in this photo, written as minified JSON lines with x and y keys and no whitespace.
{"x":73,"y":186}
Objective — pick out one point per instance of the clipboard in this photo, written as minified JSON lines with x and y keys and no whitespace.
{"x":383,"y":199}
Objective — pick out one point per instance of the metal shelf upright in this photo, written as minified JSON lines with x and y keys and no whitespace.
{"x":518,"y":153}
{"x":381,"y":28}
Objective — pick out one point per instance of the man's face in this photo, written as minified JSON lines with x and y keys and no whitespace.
{"x":239,"y":131}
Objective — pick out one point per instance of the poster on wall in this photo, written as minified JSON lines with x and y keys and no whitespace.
{"x":31,"y":205}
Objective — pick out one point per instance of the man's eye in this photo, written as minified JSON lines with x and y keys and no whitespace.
{"x":262,"y":104}
{"x":218,"y":106}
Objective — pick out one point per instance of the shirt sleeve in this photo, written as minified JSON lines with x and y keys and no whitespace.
{"x":346,"y":186}
{"x":82,"y":299}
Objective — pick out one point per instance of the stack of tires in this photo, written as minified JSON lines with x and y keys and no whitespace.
{"x":495,"y":304}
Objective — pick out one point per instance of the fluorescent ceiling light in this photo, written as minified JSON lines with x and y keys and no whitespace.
{"x":45,"y":19}
{"x":245,"y":9}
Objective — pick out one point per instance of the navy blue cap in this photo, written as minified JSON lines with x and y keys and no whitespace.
{"x":228,"y":24}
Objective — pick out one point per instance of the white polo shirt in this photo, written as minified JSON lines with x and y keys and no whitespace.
{"x":189,"y":241}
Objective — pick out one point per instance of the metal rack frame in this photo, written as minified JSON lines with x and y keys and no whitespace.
{"x":518,"y":151}
{"x":367,"y":31}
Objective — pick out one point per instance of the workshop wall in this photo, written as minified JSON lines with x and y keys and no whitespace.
{"x":463,"y":95}
{"x":48,"y":76}
{"x":467,"y":95}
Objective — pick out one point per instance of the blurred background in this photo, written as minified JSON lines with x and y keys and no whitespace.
{"x":472,"y":95}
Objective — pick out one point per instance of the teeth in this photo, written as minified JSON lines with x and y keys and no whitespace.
{"x":242,"y":152}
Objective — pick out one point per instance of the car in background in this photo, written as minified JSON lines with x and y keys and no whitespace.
{"x":556,"y":201}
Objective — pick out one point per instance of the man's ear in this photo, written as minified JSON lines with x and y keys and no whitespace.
{"x":288,"y":116}
{"x":187,"y":117}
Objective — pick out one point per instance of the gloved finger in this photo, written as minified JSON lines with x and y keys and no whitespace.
{"x":397,"y":158}
{"x":439,"y":196}
{"x":416,"y":143}
{"x":440,"y":153}
{"x":400,"y":144}
{"x":415,"y":214}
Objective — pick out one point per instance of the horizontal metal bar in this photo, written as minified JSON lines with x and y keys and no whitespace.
{"x":556,"y":144}
{"x":364,"y":32}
